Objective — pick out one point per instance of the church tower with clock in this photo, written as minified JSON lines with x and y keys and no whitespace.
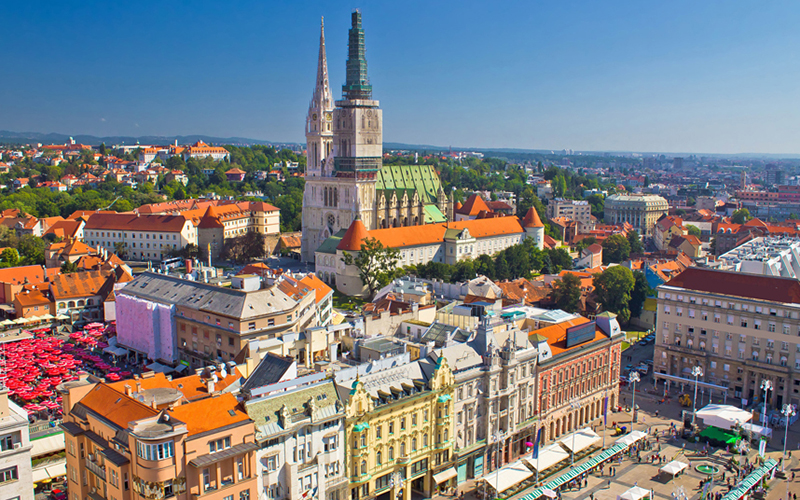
{"x":345,"y":177}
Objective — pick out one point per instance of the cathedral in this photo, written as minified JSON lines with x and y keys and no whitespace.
{"x":345,"y":176}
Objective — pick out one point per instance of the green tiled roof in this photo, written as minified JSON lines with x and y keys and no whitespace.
{"x":420,"y":178}
{"x":330,"y":244}
{"x":433,"y":214}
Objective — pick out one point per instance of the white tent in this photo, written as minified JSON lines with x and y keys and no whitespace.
{"x":631,"y":438}
{"x":548,"y":457}
{"x":674,"y":467}
{"x":582,"y":438}
{"x":508,"y":476}
{"x":635,"y":493}
{"x":757,"y":430}
{"x":723,"y":416}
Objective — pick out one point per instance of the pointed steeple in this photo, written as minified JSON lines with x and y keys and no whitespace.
{"x":356,"y":85}
{"x":322,"y":92}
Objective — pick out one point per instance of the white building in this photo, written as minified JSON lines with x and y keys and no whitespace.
{"x":16,"y":476}
{"x":144,"y":236}
{"x":300,"y":431}
{"x":770,"y":256}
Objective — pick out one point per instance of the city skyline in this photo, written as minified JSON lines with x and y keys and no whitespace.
{"x":668,"y":78}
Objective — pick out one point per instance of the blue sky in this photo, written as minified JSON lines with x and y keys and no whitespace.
{"x":682,"y":76}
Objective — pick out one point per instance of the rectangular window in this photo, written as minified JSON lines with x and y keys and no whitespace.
{"x":9,"y":474}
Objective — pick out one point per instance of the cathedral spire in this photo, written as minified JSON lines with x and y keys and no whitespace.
{"x":322,"y":92}
{"x":357,"y":82}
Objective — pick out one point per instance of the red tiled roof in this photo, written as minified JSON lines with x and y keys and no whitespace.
{"x":134,"y":222}
{"x":210,"y":413}
{"x":356,"y":233}
{"x":473,"y":206}
{"x":532,"y":219}
{"x":753,"y":286}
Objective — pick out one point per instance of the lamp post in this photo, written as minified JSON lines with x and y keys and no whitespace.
{"x":766,"y":386}
{"x":498,"y":437}
{"x":697,"y":372}
{"x":575,"y":404}
{"x":633,"y":377}
{"x":788,"y":411}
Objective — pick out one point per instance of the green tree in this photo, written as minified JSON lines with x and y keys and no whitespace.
{"x":9,"y":257}
{"x":375,"y":262}
{"x":559,"y":259}
{"x":31,"y":249}
{"x":741,"y":216}
{"x":567,"y":293}
{"x":615,"y":249}
{"x":613,"y":288}
{"x":69,"y":267}
{"x":694,"y":230}
{"x":635,"y":243}
{"x":639,"y":294}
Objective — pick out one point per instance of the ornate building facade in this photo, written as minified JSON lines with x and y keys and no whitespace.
{"x":345,"y":175}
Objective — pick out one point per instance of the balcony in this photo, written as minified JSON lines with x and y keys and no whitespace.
{"x":767,"y":366}
{"x":96,"y":469}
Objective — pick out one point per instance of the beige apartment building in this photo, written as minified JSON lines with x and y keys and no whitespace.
{"x":577,"y":210}
{"x":642,"y":211}
{"x":143,"y":236}
{"x":739,"y":328}
{"x":153,"y":437}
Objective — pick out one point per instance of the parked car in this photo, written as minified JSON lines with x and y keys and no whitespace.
{"x":648,"y":362}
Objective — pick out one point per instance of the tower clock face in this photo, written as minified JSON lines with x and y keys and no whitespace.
{"x":314,"y":116}
{"x":328,"y":116}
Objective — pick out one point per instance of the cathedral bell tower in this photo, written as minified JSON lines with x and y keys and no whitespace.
{"x":319,"y":122}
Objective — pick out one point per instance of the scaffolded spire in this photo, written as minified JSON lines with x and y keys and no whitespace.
{"x":357,"y":83}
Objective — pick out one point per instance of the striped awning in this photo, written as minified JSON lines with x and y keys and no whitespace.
{"x":751,"y":480}
{"x":576,"y":471}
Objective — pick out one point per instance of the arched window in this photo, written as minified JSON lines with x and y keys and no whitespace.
{"x":363,"y":440}
{"x":71,"y":303}
{"x":446,"y":435}
{"x":414,"y":444}
{"x":425,"y":441}
{"x":402,"y":449}
{"x":391,"y":453}
{"x":363,"y":467}
{"x":378,"y":458}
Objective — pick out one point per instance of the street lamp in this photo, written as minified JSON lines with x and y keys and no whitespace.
{"x":498,"y":437}
{"x":575,"y":404}
{"x":697,"y":372}
{"x":788,"y":411}
{"x":633,"y":377}
{"x":766,"y":386}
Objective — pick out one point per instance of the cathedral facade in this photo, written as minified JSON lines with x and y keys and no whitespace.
{"x":345,"y":176}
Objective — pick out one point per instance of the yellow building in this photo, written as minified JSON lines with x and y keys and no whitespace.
{"x":399,"y":426}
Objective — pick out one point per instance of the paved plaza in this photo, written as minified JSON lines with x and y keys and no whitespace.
{"x":631,"y":472}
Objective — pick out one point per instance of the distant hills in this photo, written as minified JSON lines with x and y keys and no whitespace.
{"x":8,"y":137}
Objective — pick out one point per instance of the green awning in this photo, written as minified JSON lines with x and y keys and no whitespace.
{"x":716,"y":434}
{"x":751,"y":480}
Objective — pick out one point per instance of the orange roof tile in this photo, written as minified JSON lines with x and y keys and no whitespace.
{"x":22,"y":274}
{"x":473,"y":206}
{"x":210,"y":413}
{"x":556,"y":335}
{"x":355,"y":235}
{"x":317,"y":284}
{"x":115,"y":406}
{"x":532,"y":219}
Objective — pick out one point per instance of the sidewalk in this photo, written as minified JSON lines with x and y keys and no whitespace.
{"x":646,"y":475}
